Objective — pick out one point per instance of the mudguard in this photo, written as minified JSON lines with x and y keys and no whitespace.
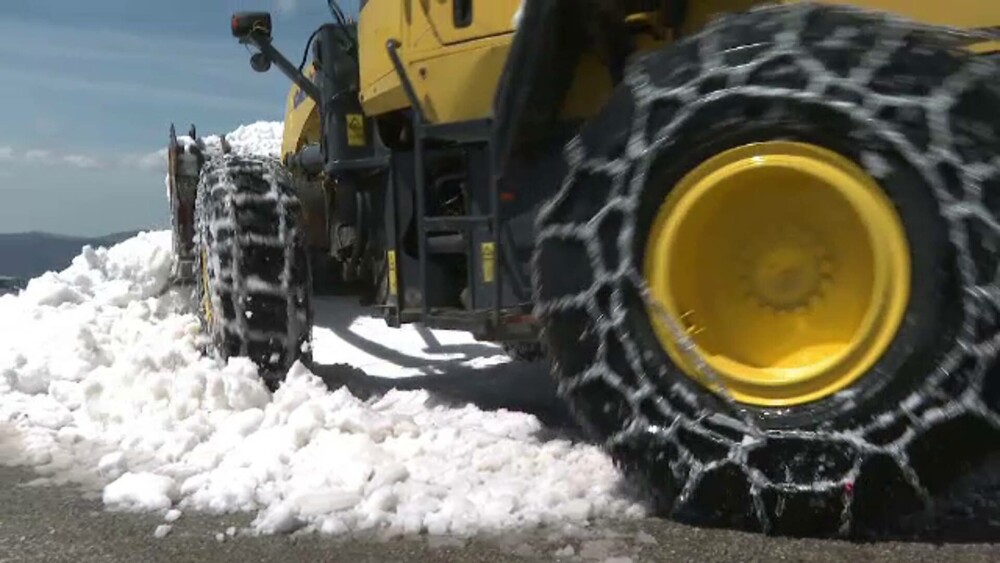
{"x":539,"y":71}
{"x":185,"y":158}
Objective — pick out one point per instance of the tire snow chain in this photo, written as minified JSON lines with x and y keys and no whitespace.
{"x":221,"y":179}
{"x":969,"y":360}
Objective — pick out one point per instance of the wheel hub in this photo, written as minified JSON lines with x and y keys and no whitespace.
{"x":788,"y":267}
{"x":786,"y":270}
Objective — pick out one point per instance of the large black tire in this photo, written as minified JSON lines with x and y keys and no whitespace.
{"x":254,"y":281}
{"x":920,"y":116}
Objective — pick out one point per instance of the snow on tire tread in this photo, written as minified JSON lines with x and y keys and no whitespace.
{"x":237,"y":196}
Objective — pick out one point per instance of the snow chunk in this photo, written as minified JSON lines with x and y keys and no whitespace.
{"x":645,"y":538}
{"x":567,"y":551}
{"x":279,"y":519}
{"x":140,"y":491}
{"x":162,"y":531}
{"x":112,"y":465}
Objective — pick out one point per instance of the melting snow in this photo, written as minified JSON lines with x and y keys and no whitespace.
{"x":102,"y":384}
{"x":262,"y":139}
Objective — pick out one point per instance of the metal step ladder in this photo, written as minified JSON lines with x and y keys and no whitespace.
{"x":478,"y":131}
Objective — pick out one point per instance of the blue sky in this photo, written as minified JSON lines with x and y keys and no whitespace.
{"x":89,"y":89}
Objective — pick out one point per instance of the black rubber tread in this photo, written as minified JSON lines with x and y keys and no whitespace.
{"x":257,"y":276}
{"x":918,"y":114}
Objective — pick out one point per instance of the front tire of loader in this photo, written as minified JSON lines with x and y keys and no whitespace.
{"x":780,"y":409}
{"x":254,"y":280}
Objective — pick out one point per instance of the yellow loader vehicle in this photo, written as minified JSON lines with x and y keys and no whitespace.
{"x":758,"y":244}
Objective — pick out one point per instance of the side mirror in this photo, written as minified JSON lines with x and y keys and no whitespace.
{"x":245,"y":24}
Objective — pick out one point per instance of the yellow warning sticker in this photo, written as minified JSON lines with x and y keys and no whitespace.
{"x":393,"y":289}
{"x":488,"y":251}
{"x":355,"y":130}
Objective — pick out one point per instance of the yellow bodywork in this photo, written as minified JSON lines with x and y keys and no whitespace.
{"x":965,"y":14}
{"x":302,"y":123}
{"x":787,"y":266}
{"x":456,"y":70}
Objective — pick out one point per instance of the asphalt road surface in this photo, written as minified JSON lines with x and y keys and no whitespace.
{"x":56,"y":524}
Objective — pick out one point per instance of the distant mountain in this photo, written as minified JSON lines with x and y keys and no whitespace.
{"x":27,"y":255}
{"x":11,"y":285}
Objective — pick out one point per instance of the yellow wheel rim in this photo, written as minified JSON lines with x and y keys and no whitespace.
{"x":206,"y":297}
{"x":788,"y":267}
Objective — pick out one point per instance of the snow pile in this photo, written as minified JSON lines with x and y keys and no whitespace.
{"x":262,"y":138}
{"x":102,"y":384}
